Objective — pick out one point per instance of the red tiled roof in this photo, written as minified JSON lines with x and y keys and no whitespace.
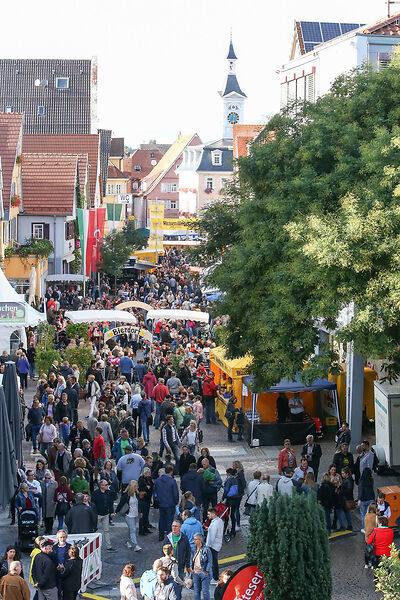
{"x":10,"y":130}
{"x":115,"y":173}
{"x":242,"y":135}
{"x":388,"y":26}
{"x":68,"y":144}
{"x":48,"y":183}
{"x":143,"y":159}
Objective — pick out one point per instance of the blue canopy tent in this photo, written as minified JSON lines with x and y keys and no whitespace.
{"x":290,"y":387}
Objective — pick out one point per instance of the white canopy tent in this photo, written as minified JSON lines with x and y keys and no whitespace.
{"x":96,"y":316}
{"x":13,"y":322}
{"x":65,"y":277}
{"x":180,"y":315}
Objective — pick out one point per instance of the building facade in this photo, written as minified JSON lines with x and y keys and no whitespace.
{"x":323,"y":51}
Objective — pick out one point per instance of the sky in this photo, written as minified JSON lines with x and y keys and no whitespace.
{"x":162,"y":62}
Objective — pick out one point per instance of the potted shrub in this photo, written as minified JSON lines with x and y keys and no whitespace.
{"x":15,"y":200}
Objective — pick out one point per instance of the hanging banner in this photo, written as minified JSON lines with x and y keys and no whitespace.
{"x":100,"y":218}
{"x":247,"y":583}
{"x":83,"y":225}
{"x":128,"y":330}
{"x":12,"y":312}
{"x":114,"y":212}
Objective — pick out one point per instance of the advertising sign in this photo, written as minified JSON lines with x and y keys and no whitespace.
{"x":247,"y":583}
{"x":12,"y":312}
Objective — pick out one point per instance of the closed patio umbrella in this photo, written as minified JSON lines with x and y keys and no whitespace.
{"x":8,"y":465}
{"x":14,"y":410}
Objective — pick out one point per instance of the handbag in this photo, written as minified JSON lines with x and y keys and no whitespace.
{"x":349,"y":504}
{"x":370,"y":555}
{"x":188,"y":581}
{"x":247,"y":506}
{"x":124,"y":509}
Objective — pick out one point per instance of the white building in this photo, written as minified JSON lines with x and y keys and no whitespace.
{"x":323,"y":51}
{"x":232,"y":97}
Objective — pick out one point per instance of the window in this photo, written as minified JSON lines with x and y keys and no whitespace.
{"x":135,"y":185}
{"x":151,"y":154}
{"x":210,"y":183}
{"x":13,"y":229}
{"x":216,"y":157}
{"x":62,"y":83}
{"x":69,"y":230}
{"x":110,"y":189}
{"x":41,"y":231}
{"x":137,"y":168}
{"x":41,"y":111}
{"x":167,"y":187}
{"x":118,"y":188}
{"x":384,"y":59}
{"x":310,"y":87}
{"x":9,"y":109}
{"x":171,"y":205}
{"x":224,"y":181}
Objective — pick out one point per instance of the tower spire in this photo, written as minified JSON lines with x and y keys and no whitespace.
{"x":232,"y":96}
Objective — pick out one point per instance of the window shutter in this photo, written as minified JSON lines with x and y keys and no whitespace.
{"x":46,"y":231}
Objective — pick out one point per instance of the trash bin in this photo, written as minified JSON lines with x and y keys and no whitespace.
{"x":331,"y":424}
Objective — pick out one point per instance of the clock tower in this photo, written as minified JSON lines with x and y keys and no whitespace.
{"x":232,"y":97}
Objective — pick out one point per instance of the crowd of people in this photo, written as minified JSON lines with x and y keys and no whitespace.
{"x":90,"y":471}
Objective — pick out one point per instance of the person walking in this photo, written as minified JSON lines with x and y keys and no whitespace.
{"x":71,"y":574}
{"x":232,"y":496}
{"x":81,"y":518}
{"x":12,"y":585}
{"x":201,"y":568}
{"x":215,"y":534}
{"x":23,"y":370}
{"x":49,"y":486}
{"x":44,"y":573}
{"x":209,"y":392}
{"x":35,"y":417}
{"x":171,"y":440}
{"x":103,"y":501}
{"x":129,"y":507}
{"x":366,"y":493}
{"x":144,"y":412}
{"x":167,"y":494}
{"x":145,"y":489}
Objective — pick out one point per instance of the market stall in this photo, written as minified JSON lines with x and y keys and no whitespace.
{"x":180,"y":315}
{"x":99,"y":316}
{"x":261,"y":427}
{"x":228,"y":375}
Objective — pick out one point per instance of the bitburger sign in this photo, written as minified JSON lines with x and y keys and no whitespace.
{"x":247,"y":583}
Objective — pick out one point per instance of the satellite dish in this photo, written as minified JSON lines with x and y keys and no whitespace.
{"x":153,"y":163}
{"x":37,"y":82}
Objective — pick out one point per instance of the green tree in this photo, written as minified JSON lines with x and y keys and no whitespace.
{"x":295,"y":255}
{"x":134,"y":237}
{"x":114,"y":254}
{"x":45,"y":351}
{"x":387,"y":576}
{"x":81,"y":330}
{"x":288,"y":540}
{"x":81,"y":356}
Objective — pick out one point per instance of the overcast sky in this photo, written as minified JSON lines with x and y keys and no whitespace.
{"x":162,"y":62}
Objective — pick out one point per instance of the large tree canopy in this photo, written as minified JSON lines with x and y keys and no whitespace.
{"x":317,"y":227}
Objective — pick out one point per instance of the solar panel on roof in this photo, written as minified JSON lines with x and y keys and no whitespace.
{"x":346,"y":27}
{"x":311,"y":31}
{"x":330,"y":30}
{"x":308,"y":46}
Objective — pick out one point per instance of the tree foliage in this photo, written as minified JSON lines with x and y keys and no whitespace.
{"x":387,"y":576}
{"x":117,"y":248}
{"x":315,"y":226}
{"x":80,"y":330}
{"x":81,"y":356}
{"x":288,"y":540}
{"x":45,"y":352}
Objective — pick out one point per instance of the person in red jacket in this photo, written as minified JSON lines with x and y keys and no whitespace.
{"x":209,"y":391}
{"x":99,"y":451}
{"x":287,"y":457}
{"x":382,"y":538}
{"x":159,"y":393}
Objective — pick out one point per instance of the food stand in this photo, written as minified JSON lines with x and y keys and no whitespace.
{"x":261,"y":427}
{"x":223,"y":369}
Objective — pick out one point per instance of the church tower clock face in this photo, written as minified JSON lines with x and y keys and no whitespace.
{"x":233,"y":118}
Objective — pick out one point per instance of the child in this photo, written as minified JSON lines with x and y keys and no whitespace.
{"x":240,"y":423}
{"x":65,"y":431}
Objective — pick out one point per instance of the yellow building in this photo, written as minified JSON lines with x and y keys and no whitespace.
{"x":17,"y":270}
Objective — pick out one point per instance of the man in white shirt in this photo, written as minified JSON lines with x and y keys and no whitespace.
{"x":252,"y":490}
{"x":296,"y":408}
{"x":214,"y":541}
{"x":264,"y":490}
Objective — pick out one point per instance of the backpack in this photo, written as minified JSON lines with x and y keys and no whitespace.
{"x":200,"y":436}
{"x":375,"y":464}
{"x":233,"y":490}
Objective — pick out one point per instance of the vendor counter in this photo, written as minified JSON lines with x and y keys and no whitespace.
{"x":273,"y":434}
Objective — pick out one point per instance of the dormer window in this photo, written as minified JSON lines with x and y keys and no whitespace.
{"x":137,"y":168}
{"x":62,"y":83}
{"x":216,"y":158}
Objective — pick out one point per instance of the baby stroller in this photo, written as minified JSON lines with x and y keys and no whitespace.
{"x":223,"y":513}
{"x":28,"y":529}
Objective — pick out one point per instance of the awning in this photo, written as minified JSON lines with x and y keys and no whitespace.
{"x":181,"y":315}
{"x":96,"y":316}
{"x":236,"y":367}
{"x":292,"y":386}
{"x":66,"y":277}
